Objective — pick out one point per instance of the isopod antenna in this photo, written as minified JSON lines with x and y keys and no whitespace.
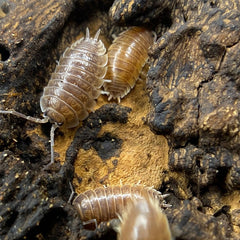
{"x":74,"y":87}
{"x":18,"y":114}
{"x":36,"y":120}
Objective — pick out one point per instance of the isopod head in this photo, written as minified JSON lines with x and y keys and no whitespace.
{"x":75,"y":84}
{"x":105,"y":203}
{"x":127,"y":56}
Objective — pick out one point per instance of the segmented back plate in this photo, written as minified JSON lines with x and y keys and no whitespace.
{"x":103,"y":204}
{"x":127,"y":56}
{"x":75,"y":84}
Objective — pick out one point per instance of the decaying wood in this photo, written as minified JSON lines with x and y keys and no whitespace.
{"x":193,"y":87}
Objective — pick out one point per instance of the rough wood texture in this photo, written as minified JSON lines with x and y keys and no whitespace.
{"x":25,"y":33}
{"x":193,"y":85}
{"x":196,"y":105}
{"x":138,"y":12}
{"x":112,"y":147}
{"x":28,"y":47}
{"x":33,"y":202}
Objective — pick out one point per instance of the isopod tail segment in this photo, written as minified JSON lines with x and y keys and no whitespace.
{"x":74,"y":86}
{"x":106,"y":203}
{"x":126,"y":57}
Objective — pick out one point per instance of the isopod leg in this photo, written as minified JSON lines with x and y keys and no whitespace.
{"x":105,"y":93}
{"x":94,"y":221}
{"x":72,"y":193}
{"x":110,"y":97}
{"x":36,"y":120}
{"x":154,"y":36}
{"x":107,"y":80}
{"x":53,"y":128}
{"x":119,"y":99}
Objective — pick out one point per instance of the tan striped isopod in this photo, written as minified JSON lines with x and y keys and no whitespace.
{"x":74,"y":85}
{"x":103,"y":204}
{"x":126,"y":58}
{"x":143,"y":219}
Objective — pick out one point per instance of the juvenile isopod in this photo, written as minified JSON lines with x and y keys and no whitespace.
{"x":103,"y":204}
{"x":74,"y":85}
{"x":126,"y":58}
{"x":143,"y":219}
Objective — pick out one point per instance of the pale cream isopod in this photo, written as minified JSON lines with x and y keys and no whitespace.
{"x":74,"y":85}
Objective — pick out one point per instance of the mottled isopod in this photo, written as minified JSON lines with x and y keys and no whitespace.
{"x":126,"y":58}
{"x":143,"y":219}
{"x":103,"y":204}
{"x":74,"y":85}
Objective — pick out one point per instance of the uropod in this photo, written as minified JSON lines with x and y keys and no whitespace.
{"x":74,"y":86}
{"x":127,"y":56}
{"x":106,"y":203}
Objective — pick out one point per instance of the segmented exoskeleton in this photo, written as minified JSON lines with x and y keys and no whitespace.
{"x":74,"y":85}
{"x":103,"y":204}
{"x":126,"y":58}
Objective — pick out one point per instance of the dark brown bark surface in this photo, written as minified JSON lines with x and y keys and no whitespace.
{"x":193,"y":87}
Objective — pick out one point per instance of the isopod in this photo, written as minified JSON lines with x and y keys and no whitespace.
{"x":126,"y":57}
{"x":143,"y":219}
{"x":74,"y":85}
{"x":103,"y":204}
